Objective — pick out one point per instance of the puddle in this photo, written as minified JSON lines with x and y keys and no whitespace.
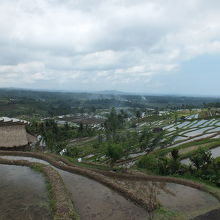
{"x":23,"y":194}
{"x":93,"y":200}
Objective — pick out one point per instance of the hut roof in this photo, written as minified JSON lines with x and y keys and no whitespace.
{"x":13,"y":132}
{"x":13,"y":136}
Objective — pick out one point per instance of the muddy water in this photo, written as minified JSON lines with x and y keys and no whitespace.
{"x":93,"y":200}
{"x":173,"y":196}
{"x":23,"y":194}
{"x":185,"y":199}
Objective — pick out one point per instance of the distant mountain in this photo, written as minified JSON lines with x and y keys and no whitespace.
{"x":111,"y":92}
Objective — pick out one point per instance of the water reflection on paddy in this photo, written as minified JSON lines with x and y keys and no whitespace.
{"x":23,"y":194}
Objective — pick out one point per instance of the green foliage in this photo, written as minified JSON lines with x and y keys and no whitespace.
{"x":72,"y":152}
{"x":207,"y":168}
{"x":55,"y":136}
{"x":57,"y":147}
{"x":114,"y":152}
{"x":138,"y":115}
{"x":149,"y":162}
{"x":175,"y":154}
{"x":113,"y":122}
{"x":161,"y":166}
{"x":216,"y":163}
{"x":85,"y":131}
{"x":201,"y":159}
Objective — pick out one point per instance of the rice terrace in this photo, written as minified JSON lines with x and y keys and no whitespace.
{"x":109,"y":110}
{"x":112,"y":162}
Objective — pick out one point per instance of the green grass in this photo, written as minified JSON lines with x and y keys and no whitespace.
{"x":52,"y":201}
{"x":165,"y":214}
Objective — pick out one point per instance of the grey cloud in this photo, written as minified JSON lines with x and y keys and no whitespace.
{"x":118,"y":42}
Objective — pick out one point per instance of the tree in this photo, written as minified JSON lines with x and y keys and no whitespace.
{"x":175,"y":154}
{"x":113,"y":122}
{"x":138,"y":115}
{"x":202,"y":158}
{"x":114,"y":152}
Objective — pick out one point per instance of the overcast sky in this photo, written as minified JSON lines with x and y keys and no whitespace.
{"x":152,"y":46}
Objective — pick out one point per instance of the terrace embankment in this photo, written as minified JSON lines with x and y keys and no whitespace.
{"x":84,"y":189}
{"x":96,"y":201}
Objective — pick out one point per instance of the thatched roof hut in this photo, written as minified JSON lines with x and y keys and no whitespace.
{"x":13,"y":133}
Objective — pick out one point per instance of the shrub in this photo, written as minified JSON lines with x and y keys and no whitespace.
{"x":114,"y":152}
{"x":149,"y":162}
{"x":175,"y":154}
{"x":72,"y":152}
{"x":202,"y":158}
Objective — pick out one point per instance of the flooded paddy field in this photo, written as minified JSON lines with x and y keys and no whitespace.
{"x":208,"y":135}
{"x":185,"y":199}
{"x":23,"y":194}
{"x":191,"y":129}
{"x":197,"y":132}
{"x":93,"y":200}
{"x":174,"y":196}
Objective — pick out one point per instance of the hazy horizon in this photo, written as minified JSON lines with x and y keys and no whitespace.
{"x":148,"y":47}
{"x":111,"y":92}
